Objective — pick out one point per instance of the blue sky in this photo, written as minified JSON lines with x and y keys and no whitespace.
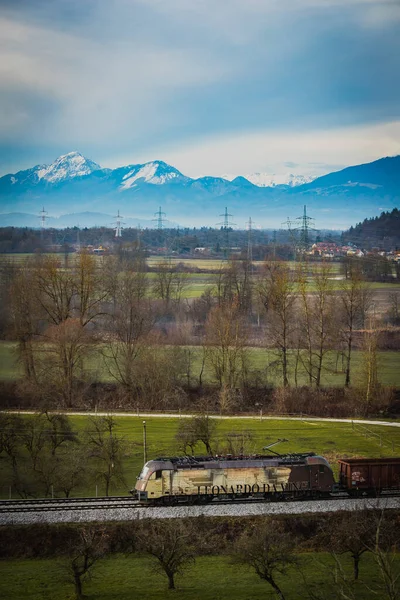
{"x":210,"y":86}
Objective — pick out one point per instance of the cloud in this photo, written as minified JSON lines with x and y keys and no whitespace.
{"x":266,"y":151}
{"x":128,"y":77}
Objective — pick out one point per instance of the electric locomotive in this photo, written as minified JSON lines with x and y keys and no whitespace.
{"x":193,"y":480}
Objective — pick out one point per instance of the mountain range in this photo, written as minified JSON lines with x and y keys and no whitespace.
{"x":76,"y":190}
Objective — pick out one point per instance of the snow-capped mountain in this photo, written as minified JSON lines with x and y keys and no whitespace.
{"x":67,"y":166}
{"x":274,"y":179}
{"x":156,"y":173}
{"x":76,"y":184}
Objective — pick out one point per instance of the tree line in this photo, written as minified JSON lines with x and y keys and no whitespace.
{"x":78,"y":323}
{"x":44,"y":456}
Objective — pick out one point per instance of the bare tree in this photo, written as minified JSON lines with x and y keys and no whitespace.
{"x":25,"y":318}
{"x":83,"y":553}
{"x":353,"y":534}
{"x":201,"y":428}
{"x":318,"y":320}
{"x":169,"y":284}
{"x":276,"y":291}
{"x":269,"y":551}
{"x":61,"y":359}
{"x":355,"y":299}
{"x":394,"y":310}
{"x":368,"y":381}
{"x":90,"y":290}
{"x":227,"y":353}
{"x":106,"y":450}
{"x":54,"y":289}
{"x":168,"y":541}
{"x":128,"y":329}
{"x":386,"y":559}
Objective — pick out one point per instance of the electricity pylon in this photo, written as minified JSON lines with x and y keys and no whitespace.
{"x":118,"y":225}
{"x":250,"y":240}
{"x":299,"y":231}
{"x":160,"y":218}
{"x":226,"y":225}
{"x":42,"y":216}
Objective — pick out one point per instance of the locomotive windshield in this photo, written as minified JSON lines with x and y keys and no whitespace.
{"x":144,"y":472}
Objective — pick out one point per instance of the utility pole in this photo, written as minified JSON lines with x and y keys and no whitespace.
{"x":118,"y":225}
{"x":144,"y":443}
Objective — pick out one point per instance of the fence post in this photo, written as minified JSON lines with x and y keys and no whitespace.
{"x":9,"y":492}
{"x":261,"y":414}
{"x":52,"y":491}
{"x":352,"y":424}
{"x":96,"y":490}
{"x":137,"y":409}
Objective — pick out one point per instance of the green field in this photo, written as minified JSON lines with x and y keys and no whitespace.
{"x":197,"y":283}
{"x":210,"y":578}
{"x":331,"y":439}
{"x":261,"y":366}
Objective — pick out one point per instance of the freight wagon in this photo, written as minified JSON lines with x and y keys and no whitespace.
{"x":369,"y":476}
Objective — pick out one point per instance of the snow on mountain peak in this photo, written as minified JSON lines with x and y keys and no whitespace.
{"x":155,"y":172}
{"x":274,"y":179}
{"x":67,"y":166}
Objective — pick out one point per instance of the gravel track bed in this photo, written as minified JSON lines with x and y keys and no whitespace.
{"x":238,"y":510}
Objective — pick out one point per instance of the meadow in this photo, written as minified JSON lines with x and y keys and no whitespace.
{"x":330,"y":439}
{"x":261,"y":365}
{"x":124,"y":577}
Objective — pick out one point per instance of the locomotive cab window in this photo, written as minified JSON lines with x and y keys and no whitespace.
{"x":321,"y":469}
{"x":156,"y":475}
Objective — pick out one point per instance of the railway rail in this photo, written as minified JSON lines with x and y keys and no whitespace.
{"x":126,"y":502}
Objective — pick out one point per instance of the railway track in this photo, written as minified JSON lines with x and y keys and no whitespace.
{"x":62,"y":504}
{"x":126,"y":502}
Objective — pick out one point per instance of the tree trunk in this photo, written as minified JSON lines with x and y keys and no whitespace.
{"x":78,"y":586}
{"x":356,"y":560}
{"x":171,"y":582}
{"x":277,"y":589}
{"x":349,"y":348}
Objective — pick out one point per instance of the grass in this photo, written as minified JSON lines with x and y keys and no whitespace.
{"x":210,"y":578}
{"x":331,"y":439}
{"x":262,"y":363}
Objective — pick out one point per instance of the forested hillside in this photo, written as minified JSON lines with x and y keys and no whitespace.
{"x":381,"y":232}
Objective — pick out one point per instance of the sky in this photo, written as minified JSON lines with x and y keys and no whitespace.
{"x":209,"y":86}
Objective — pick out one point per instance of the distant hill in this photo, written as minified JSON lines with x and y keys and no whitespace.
{"x":75,"y":184}
{"x":380,"y":232}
